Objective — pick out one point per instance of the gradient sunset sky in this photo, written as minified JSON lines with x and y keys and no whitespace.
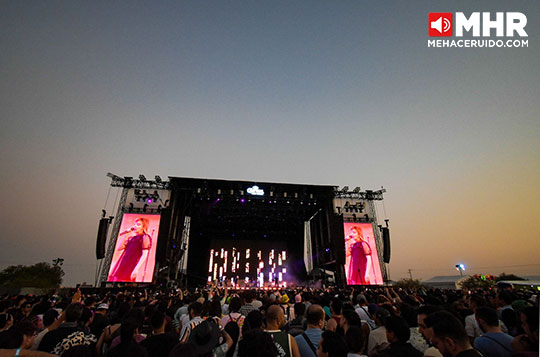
{"x":316,"y":92}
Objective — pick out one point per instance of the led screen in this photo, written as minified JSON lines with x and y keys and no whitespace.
{"x":135,"y":252}
{"x":248,"y":263}
{"x":362,"y":261}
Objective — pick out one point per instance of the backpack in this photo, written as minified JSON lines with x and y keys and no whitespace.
{"x":233,"y":329}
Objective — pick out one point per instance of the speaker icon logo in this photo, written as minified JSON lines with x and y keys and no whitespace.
{"x":440,"y":24}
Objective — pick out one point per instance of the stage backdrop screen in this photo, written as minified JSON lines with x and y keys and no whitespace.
{"x":248,"y":263}
{"x":135,"y":253}
{"x":362,"y":261}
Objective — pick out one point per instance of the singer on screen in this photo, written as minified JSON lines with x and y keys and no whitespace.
{"x":131,"y":265}
{"x":360,"y":258}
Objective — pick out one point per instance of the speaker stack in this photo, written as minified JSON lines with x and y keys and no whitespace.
{"x":102,"y":238}
{"x":386,"y":244}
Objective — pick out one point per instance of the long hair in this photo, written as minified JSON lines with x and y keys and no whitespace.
{"x":145,"y":223}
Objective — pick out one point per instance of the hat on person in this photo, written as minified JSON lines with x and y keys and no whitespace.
{"x":205,"y":336}
{"x":103,"y":307}
{"x":519,"y":305}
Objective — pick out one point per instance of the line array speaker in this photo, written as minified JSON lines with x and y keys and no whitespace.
{"x":102,"y":238}
{"x":386,"y":244}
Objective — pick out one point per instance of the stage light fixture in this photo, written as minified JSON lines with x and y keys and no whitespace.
{"x":345,"y":189}
{"x":158,"y":179}
{"x":142,"y":178}
{"x":356,"y":189}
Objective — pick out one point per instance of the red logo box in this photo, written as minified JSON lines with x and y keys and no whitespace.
{"x":440,"y":24}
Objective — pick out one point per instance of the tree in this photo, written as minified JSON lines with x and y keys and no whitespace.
{"x":475,"y":282}
{"x":505,"y":276}
{"x":412,"y":284}
{"x":40,"y":275}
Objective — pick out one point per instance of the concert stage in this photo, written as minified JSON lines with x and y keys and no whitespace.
{"x":191,"y":232}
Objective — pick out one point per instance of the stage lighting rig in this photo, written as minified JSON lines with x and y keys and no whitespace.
{"x":142,"y":178}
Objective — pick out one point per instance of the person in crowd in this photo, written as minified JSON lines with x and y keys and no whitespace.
{"x":334,"y":323}
{"x":377,"y":338}
{"x":505,"y":311}
{"x":350,"y":318}
{"x":471,"y":325}
{"x":248,"y":305}
{"x":195,"y":311}
{"x":51,"y":320}
{"x":135,"y":314}
{"x":397,"y":334}
{"x":68,"y":334}
{"x":234,"y":313}
{"x":254,"y":320}
{"x":356,"y":341}
{"x":285,"y":343}
{"x":257,"y":343}
{"x":493,"y":342}
{"x":20,"y":337}
{"x":449,"y":335}
{"x":100,"y":319}
{"x":6,"y":321}
{"x":332,"y":345}
{"x":26,"y":310}
{"x":205,"y":337}
{"x":362,"y":309}
{"x":527,"y":343}
{"x":422,"y":313}
{"x":128,"y":346}
{"x":308,"y":342}
{"x":160,"y":343}
{"x":295,"y":326}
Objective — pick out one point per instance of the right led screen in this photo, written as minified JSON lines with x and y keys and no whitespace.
{"x":362,"y":265}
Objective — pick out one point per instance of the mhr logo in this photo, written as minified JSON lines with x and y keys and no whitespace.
{"x":504,"y":24}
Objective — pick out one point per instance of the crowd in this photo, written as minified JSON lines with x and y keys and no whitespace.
{"x":297,"y":322}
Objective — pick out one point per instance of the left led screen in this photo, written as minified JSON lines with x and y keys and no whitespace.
{"x":135,"y":252}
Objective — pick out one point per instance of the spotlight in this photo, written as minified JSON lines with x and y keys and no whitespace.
{"x":142,"y":178}
{"x":158,"y":179}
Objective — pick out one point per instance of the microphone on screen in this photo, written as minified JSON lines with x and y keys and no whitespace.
{"x":127,"y":231}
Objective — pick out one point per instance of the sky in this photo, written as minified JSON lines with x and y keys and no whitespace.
{"x":315,"y":92}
